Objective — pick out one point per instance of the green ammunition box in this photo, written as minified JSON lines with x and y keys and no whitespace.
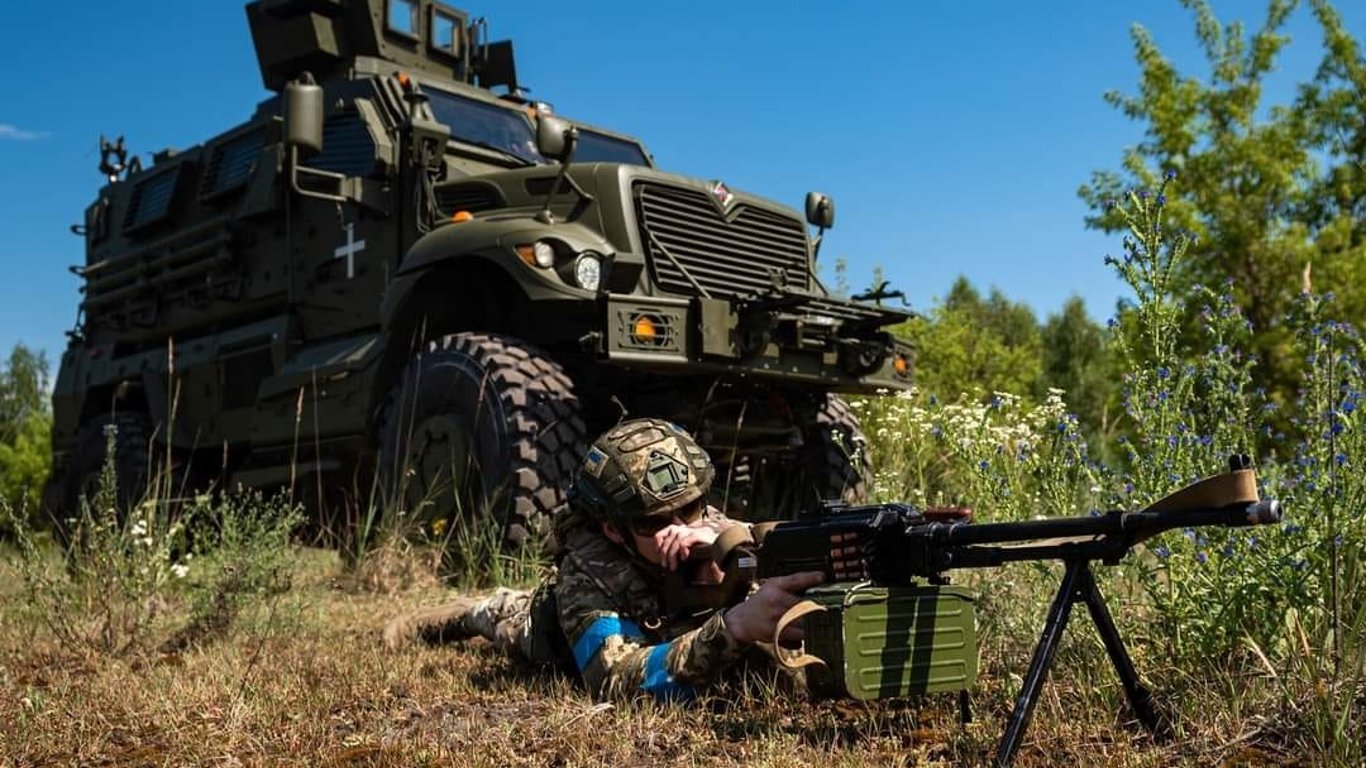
{"x":885,"y":642}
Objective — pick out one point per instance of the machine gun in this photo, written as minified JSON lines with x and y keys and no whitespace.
{"x":887,"y":623}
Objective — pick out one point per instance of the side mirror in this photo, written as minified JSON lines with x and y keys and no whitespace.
{"x":820,"y":210}
{"x":303,"y":110}
{"x":555,"y":138}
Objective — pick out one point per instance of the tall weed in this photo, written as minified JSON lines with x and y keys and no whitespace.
{"x":131,"y":575}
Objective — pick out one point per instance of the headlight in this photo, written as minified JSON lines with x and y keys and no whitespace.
{"x":588,"y":271}
{"x":538,"y":254}
{"x":544,"y":254}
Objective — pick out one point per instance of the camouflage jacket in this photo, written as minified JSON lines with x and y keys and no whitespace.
{"x":612,"y":614}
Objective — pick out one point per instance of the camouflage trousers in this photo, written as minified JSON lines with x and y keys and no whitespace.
{"x":504,"y":619}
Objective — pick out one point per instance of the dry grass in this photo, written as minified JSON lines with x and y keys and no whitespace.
{"x":300,"y":680}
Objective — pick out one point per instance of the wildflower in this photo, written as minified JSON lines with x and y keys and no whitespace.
{"x":180,"y":570}
{"x":984,"y":465}
{"x":1162,"y":552}
{"x":1170,"y":175}
{"x":1341,"y":459}
{"x":1201,"y":557}
{"x":1161,"y":199}
{"x":1163,"y":372}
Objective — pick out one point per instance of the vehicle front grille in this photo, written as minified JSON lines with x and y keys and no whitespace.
{"x":740,"y":253}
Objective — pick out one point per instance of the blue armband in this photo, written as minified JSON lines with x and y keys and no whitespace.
{"x":592,"y":639}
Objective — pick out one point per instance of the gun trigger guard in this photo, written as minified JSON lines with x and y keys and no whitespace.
{"x":798,"y":658}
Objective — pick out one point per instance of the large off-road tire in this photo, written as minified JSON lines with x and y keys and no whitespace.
{"x":132,"y":464}
{"x":830,"y":463}
{"x":481,"y":421}
{"x":836,"y":454}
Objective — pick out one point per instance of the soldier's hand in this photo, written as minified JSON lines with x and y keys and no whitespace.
{"x":676,"y":541}
{"x":757,"y":617}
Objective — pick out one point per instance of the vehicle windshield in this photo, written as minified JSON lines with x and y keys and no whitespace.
{"x":511,"y":132}
{"x":486,"y":125}
{"x":597,"y":147}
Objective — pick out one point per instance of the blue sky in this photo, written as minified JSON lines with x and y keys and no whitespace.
{"x":952,"y":135}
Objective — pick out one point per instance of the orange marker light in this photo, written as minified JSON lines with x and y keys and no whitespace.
{"x":527,"y":253}
{"x":462,"y":216}
{"x":644,"y":329}
{"x":901,"y":365}
{"x":404,"y":80}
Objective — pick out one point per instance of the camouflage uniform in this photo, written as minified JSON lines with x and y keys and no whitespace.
{"x":610,"y":617}
{"x":601,"y":611}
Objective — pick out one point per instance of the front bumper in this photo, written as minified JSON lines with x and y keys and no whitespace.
{"x":787,"y":337}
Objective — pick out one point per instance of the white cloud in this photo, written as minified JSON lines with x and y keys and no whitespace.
{"x":8,"y":131}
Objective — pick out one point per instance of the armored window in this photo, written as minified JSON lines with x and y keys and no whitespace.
{"x":486,"y":125}
{"x":348,"y":148}
{"x":445,"y":31}
{"x":402,"y":17}
{"x":151,"y":199}
{"x":230,"y":164}
{"x":600,"y":148}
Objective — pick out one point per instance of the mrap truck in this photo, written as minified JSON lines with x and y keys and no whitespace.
{"x":401,"y":279}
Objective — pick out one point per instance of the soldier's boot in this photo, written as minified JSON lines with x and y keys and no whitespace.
{"x":446,"y":623}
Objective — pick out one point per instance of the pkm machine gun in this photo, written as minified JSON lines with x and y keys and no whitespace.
{"x":887,"y":622}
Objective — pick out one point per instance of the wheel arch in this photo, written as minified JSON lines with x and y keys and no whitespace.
{"x":462,"y":293}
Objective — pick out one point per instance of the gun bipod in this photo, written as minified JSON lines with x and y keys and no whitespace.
{"x":1078,"y":584}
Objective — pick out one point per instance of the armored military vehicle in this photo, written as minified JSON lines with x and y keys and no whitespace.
{"x":400,"y":274}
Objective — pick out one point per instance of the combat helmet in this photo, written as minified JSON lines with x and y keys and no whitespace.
{"x":642,"y":468}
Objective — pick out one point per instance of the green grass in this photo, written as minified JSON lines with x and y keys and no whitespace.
{"x":299,"y":679}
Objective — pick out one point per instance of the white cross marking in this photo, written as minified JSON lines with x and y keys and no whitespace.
{"x":349,"y":251}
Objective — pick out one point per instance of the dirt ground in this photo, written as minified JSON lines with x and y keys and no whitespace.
{"x":302,"y":680}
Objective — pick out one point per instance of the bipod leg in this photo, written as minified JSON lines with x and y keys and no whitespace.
{"x":1058,"y":614}
{"x":1140,"y":698}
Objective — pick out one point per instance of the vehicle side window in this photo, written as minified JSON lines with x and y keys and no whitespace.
{"x":348,"y":148}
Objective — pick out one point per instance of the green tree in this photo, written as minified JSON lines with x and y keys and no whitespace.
{"x":1077,"y":360}
{"x":967,"y":343}
{"x":1272,"y":193}
{"x":25,"y":427}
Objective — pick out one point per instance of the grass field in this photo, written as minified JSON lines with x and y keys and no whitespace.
{"x":299,"y":678}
